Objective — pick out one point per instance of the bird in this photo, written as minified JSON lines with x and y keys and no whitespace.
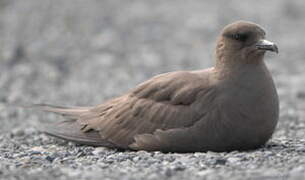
{"x":231,"y":106}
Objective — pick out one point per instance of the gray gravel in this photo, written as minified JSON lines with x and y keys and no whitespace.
{"x":76,"y":52}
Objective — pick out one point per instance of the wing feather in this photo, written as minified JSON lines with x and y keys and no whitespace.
{"x":166,"y":102}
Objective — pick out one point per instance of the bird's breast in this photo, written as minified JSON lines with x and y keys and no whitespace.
{"x":248,"y":110}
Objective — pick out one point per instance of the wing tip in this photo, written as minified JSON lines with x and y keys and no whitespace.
{"x":70,"y":131}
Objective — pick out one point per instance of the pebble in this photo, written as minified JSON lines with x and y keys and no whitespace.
{"x":17,"y":132}
{"x":233,"y":160}
{"x":221,"y":161}
{"x":50,"y":158}
{"x":99,"y":151}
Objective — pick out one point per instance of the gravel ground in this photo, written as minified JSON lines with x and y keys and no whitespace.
{"x":76,"y":52}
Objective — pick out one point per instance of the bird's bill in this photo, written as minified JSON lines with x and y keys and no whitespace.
{"x":267,"y":46}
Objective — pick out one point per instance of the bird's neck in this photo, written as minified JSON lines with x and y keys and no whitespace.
{"x":231,"y":69}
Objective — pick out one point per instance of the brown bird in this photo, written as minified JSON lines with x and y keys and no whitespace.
{"x":232,"y":106}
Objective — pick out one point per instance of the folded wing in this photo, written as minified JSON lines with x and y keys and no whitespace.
{"x":153,"y":115}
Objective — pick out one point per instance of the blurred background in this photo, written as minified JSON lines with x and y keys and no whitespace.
{"x":82,"y":52}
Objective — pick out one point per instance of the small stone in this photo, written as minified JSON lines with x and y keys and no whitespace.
{"x":99,"y":151}
{"x":300,"y":149}
{"x":221,"y":161}
{"x":37,"y":149}
{"x":179,"y":167}
{"x":205,"y":172}
{"x":233,"y":159}
{"x":17,"y":132}
{"x":103,"y":165}
{"x":50,"y":158}
{"x":301,"y":95}
{"x":136,"y":158}
{"x":34,"y":153}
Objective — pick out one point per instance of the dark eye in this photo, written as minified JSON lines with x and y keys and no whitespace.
{"x":240,"y":37}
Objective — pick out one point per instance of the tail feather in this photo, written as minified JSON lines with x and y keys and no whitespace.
{"x":70,"y":130}
{"x":60,"y":109}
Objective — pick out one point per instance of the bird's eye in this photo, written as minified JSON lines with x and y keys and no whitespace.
{"x":239,"y":37}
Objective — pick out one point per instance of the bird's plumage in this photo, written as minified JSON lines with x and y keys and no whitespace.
{"x":233,"y":106}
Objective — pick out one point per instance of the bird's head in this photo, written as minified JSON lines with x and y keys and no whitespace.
{"x":243,"y":41}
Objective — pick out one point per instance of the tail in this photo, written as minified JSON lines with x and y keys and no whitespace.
{"x":68,"y":112}
{"x":70,"y":129}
